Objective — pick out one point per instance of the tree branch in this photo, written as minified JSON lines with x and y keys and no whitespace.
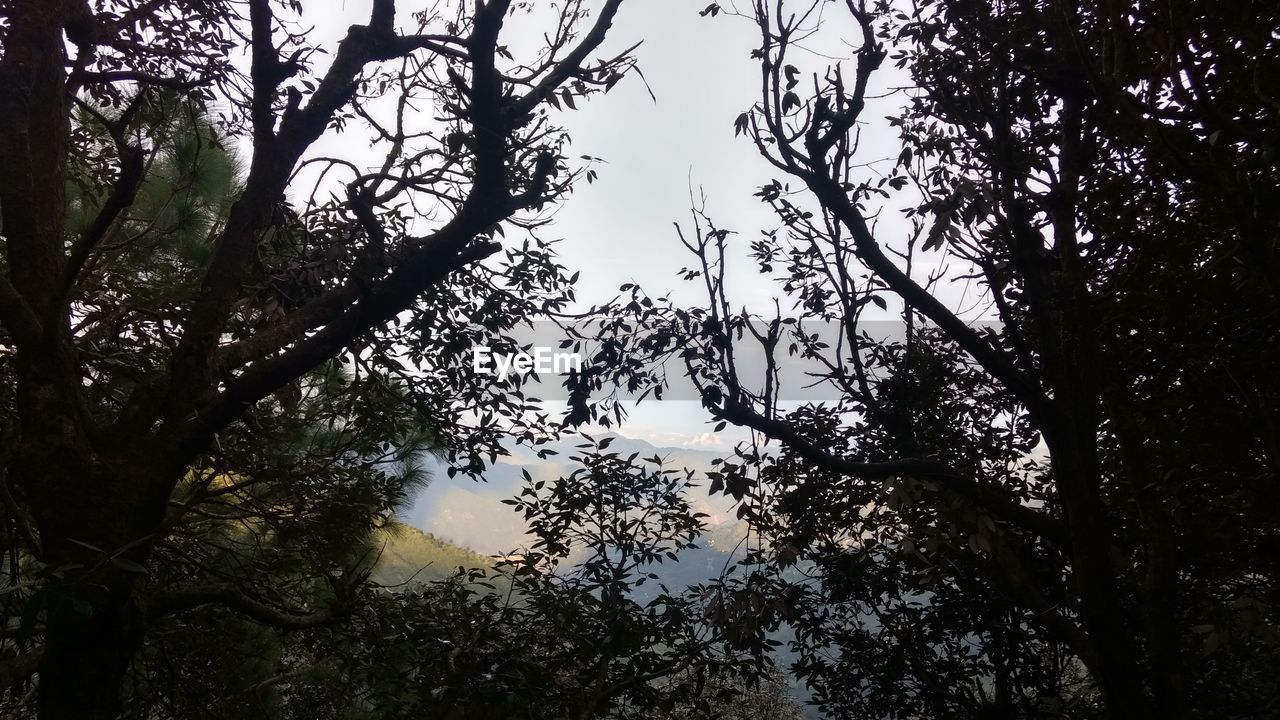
{"x":133,"y":76}
{"x":276,"y":153}
{"x":992,"y":498}
{"x":132,"y":171}
{"x":572,"y":63}
{"x":176,"y":601}
{"x":378,"y":305}
{"x":16,"y":315}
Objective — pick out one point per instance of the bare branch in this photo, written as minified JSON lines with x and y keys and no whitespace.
{"x":572,"y":63}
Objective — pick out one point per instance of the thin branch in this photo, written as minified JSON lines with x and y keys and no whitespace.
{"x":571,"y":64}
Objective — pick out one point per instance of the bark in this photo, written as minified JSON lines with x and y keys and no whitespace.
{"x":95,"y":542}
{"x":1117,"y":675}
{"x":91,"y":630}
{"x":87,"y":655}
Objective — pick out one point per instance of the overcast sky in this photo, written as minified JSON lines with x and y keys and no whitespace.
{"x":619,"y":229}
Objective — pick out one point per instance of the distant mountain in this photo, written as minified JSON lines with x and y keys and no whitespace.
{"x":411,"y":556}
{"x":471,"y":513}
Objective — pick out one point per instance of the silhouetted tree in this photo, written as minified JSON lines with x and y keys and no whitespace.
{"x":1071,"y":509}
{"x":138,"y":324}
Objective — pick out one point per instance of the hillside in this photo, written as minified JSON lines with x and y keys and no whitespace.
{"x":411,"y":555}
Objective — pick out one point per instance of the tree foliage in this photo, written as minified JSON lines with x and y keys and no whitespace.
{"x":200,"y":395}
{"x":1066,"y":509}
{"x":565,"y":628}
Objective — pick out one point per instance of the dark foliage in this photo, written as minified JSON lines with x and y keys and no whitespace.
{"x":1067,"y":510}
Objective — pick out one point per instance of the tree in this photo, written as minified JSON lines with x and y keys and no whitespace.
{"x":285,"y":511}
{"x":577,"y":634}
{"x":1070,"y":509}
{"x":116,"y":392}
{"x":567,"y":628}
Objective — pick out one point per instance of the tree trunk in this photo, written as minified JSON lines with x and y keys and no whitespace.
{"x":96,"y":529}
{"x":89,"y":646}
{"x":1118,"y":676}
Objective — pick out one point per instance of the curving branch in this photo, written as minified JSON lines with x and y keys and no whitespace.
{"x":16,"y":314}
{"x":226,"y":595}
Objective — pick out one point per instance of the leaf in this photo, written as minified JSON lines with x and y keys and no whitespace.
{"x":713,"y":9}
{"x":790,"y":101}
{"x":740,"y":124}
{"x":568,"y":99}
{"x":937,"y":233}
{"x":128,"y":565}
{"x":895,"y":499}
{"x":87,"y":545}
{"x":787,"y":555}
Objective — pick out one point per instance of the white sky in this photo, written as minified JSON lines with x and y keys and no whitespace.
{"x":619,"y":229}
